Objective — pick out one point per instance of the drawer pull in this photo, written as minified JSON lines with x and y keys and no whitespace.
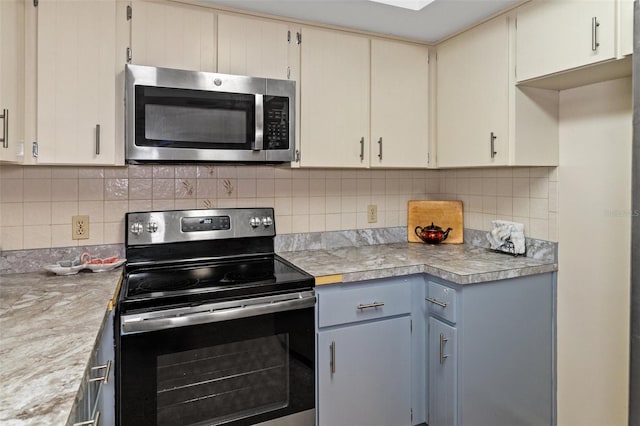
{"x":106,"y":368}
{"x":370,"y":305}
{"x":94,"y":422}
{"x":442,"y":342}
{"x":436,"y":302}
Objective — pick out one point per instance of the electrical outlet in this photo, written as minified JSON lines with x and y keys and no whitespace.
{"x":372,"y":213}
{"x":79,"y":227}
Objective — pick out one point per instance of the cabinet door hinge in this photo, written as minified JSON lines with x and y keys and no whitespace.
{"x":129,"y":12}
{"x":297,"y":155}
{"x":129,"y":55}
{"x":34,"y":150}
{"x":299,"y":37}
{"x":35,"y":3}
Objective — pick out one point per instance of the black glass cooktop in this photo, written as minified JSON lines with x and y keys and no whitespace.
{"x":211,"y":280}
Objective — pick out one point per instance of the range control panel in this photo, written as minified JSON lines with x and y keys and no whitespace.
{"x":191,"y":225}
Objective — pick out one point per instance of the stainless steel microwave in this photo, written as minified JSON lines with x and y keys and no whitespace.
{"x":179,"y":116}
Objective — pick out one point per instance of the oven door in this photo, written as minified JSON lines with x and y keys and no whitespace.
{"x":236,"y":363}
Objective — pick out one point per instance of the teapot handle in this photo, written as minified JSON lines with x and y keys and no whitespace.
{"x":419,"y":234}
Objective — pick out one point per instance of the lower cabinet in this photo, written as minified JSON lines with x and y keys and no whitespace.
{"x":491,"y":352}
{"x":95,"y":402}
{"x":442,"y":373}
{"x":364,"y":354}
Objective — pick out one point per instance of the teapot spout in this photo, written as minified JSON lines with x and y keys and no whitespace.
{"x":446,"y":233}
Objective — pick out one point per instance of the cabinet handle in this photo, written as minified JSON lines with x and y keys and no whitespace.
{"x":370,"y":305}
{"x":5,"y":128}
{"x":380,"y":148}
{"x":94,"y":422}
{"x":493,"y":145}
{"x":332,"y":358}
{"x":104,"y":379}
{"x":436,"y":302}
{"x":442,"y":342}
{"x":97,"y":139}
{"x":594,"y":33}
{"x":362,"y":148}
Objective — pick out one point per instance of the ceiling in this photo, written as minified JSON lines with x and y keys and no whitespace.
{"x":436,"y":21}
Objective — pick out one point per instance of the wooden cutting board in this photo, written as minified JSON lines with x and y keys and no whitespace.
{"x":445,"y":214}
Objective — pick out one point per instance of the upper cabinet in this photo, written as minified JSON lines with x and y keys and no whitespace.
{"x":558,"y":36}
{"x":173,"y":35}
{"x":334,"y":104}
{"x":76,"y":82}
{"x":399,"y":104}
{"x":255,"y":47}
{"x":364,"y":101}
{"x":12,"y":46}
{"x":473,"y":97}
{"x":483,"y":118}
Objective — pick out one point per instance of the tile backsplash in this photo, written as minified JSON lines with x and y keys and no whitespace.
{"x":37,"y":203}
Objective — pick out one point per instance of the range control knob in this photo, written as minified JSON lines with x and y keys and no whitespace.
{"x":136,"y":228}
{"x":267,"y":221}
{"x":152,"y":227}
{"x":255,"y":222}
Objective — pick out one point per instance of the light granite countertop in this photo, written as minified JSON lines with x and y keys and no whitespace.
{"x":49,"y":324}
{"x":48,"y":327}
{"x":457,"y":263}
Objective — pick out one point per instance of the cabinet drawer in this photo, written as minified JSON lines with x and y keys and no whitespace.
{"x":441,"y":301}
{"x":360,"y":302}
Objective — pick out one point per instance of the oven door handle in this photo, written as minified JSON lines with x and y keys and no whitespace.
{"x":215,"y":312}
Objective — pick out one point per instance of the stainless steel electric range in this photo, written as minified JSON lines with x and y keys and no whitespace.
{"x":212,"y":326}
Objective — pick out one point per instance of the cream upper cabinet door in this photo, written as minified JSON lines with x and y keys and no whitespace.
{"x":11,"y":79}
{"x":334,"y":104}
{"x":399,"y":104}
{"x":173,"y":35}
{"x":254,"y":47}
{"x":558,"y":35}
{"x":473,"y":97}
{"x":76,"y":81}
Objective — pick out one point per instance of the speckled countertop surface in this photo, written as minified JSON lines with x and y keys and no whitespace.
{"x":48,"y":327}
{"x":49,"y":324}
{"x":458,"y":263}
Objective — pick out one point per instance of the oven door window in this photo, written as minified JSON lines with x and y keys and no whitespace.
{"x":181,"y":118}
{"x":242,"y":371}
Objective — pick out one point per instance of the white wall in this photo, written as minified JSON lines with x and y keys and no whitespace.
{"x":594,"y":225}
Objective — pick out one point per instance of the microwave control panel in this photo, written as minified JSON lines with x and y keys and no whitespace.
{"x":276,"y":122}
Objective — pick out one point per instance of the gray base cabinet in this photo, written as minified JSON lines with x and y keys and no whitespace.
{"x":95,"y":402}
{"x":364,"y":372}
{"x":491,"y":349}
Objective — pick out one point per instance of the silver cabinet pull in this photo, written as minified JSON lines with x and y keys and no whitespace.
{"x":370,"y":305}
{"x":105,"y":378}
{"x":436,"y":302}
{"x":442,"y":342}
{"x":493,"y":145}
{"x":380,"y":148}
{"x":97,"y":139}
{"x":594,"y":33}
{"x":362,"y":148}
{"x":94,"y":422}
{"x":5,"y":128}
{"x":332,"y":358}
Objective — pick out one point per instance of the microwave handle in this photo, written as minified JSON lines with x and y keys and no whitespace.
{"x":258,"y":143}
